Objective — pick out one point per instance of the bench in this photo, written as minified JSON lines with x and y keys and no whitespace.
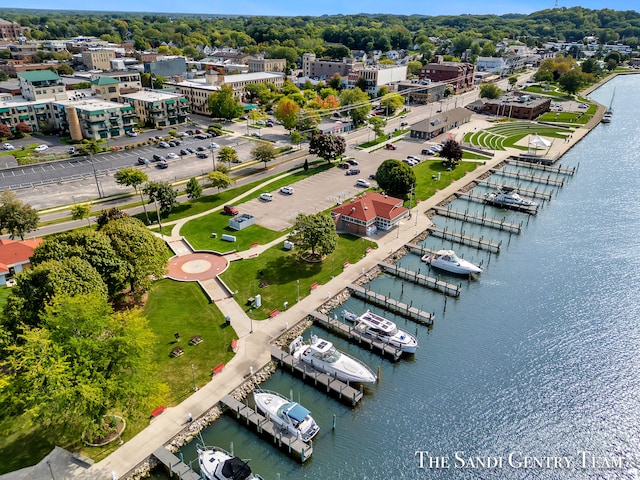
{"x":273,"y":313}
{"x":158,"y":411}
{"x":195,"y":340}
{"x":218,"y":368}
{"x":254,"y":245}
{"x":314,"y":285}
{"x":234,"y":345}
{"x":177,"y":351}
{"x":345,"y":264}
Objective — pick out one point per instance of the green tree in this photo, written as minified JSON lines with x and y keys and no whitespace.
{"x":395,"y":178}
{"x":490,"y":90}
{"x":287,"y":112}
{"x":378,"y":124}
{"x":16,"y":218}
{"x":64,"y":69}
{"x":513,"y":80}
{"x":413,"y":68}
{"x":452,"y":152}
{"x":572,"y":81}
{"x":143,"y":252}
{"x":222,"y":104}
{"x":295,"y":137}
{"x":392,"y":102}
{"x":219,"y":180}
{"x":264,"y":152}
{"x":164,"y":194}
{"x":108,"y":215}
{"x":327,"y":146}
{"x":193,"y":188}
{"x":336,"y":82}
{"x":315,"y":232}
{"x":81,"y":211}
{"x":228,"y":154}
{"x":81,"y":363}
{"x":359,"y":101}
{"x":133,"y":177}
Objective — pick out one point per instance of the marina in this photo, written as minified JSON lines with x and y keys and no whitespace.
{"x":535,"y":193}
{"x":174,"y":466}
{"x":465,"y":216}
{"x":522,"y":176}
{"x":468,"y":240}
{"x":419,"y":279}
{"x":392,"y":305}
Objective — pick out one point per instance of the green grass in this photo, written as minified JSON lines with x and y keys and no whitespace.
{"x":426,"y":186}
{"x":281,"y":270}
{"x":474,"y":156}
{"x":4,"y":294}
{"x":382,"y":139}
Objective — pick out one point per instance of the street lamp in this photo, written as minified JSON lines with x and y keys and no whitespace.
{"x":298,"y":285}
{"x":193,"y":375}
{"x":95,"y":175}
{"x":332,"y":259}
{"x":158,"y":215}
{"x":213,"y":157}
{"x":362,"y":247}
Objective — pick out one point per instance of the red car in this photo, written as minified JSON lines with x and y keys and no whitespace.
{"x":390,"y":146}
{"x":344,"y":165}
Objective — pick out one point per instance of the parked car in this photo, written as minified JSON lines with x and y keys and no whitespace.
{"x":8,"y":146}
{"x":184,"y":152}
{"x":164,"y":145}
{"x":390,"y":146}
{"x":172,"y":155}
{"x":230,"y":210}
{"x":361,"y":182}
{"x":269,"y":123}
{"x":72,"y":150}
{"x":343,"y":165}
{"x":177,"y":142}
{"x":353,"y":171}
{"x":352,"y":161}
{"x":201,"y":148}
{"x":172,"y":144}
{"x":426,"y":151}
{"x":202,"y":155}
{"x":411,"y":157}
{"x":41,"y":148}
{"x":190,"y":150}
{"x":163,"y":164}
{"x":287,"y":190}
{"x":266,"y":197}
{"x":157,"y":158}
{"x":214,"y":145}
{"x":131,"y":133}
{"x":200,"y":136}
{"x":143,"y":161}
{"x":372,"y":176}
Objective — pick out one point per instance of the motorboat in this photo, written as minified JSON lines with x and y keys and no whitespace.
{"x":218,"y":464}
{"x":288,"y":415}
{"x":608,"y":114}
{"x":506,"y":197}
{"x":449,"y":261}
{"x":379,"y":328}
{"x":321,"y":355}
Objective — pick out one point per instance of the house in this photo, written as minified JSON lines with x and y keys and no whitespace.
{"x":365,"y":214}
{"x":15,"y":257}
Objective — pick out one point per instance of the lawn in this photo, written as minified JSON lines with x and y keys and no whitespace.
{"x":4,"y":294}
{"x":283,"y":274}
{"x":427,"y":176}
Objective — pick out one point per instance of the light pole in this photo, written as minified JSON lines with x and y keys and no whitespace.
{"x":95,"y":175}
{"x":213,"y":157}
{"x":298,"y":285}
{"x":158,"y":215}
{"x":193,"y":375}
{"x":362,"y":247}
{"x":332,"y":259}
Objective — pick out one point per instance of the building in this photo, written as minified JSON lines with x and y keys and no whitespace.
{"x":14,"y":110}
{"x":165,"y":66}
{"x":457,"y":74}
{"x":311,"y":67}
{"x":158,"y":108}
{"x":365,"y":214}
{"x":93,"y":118}
{"x":497,"y":65}
{"x":111,"y":85}
{"x":98,"y":59}
{"x":41,"y":85}
{"x":267,"y":65}
{"x":13,"y":67}
{"x":419,"y":92}
{"x":15,"y":257}
{"x":441,"y":122}
{"x":377,"y":76}
{"x":516,"y":105}
{"x":196,"y":91}
{"x":11,"y":31}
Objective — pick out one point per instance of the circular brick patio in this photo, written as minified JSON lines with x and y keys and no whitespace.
{"x":196,"y":266}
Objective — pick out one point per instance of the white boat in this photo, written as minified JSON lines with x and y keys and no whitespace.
{"x":379,"y":328}
{"x":449,"y":261}
{"x":289,"y":415}
{"x":507,"y":198}
{"x":218,"y":464}
{"x":321,"y":355}
{"x":608,"y":114}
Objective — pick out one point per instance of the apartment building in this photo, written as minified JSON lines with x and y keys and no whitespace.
{"x":158,"y":108}
{"x":41,"y":85}
{"x":314,"y":68}
{"x":377,"y":76}
{"x":457,"y":74}
{"x":267,"y":65}
{"x":98,"y":59}
{"x":11,"y":31}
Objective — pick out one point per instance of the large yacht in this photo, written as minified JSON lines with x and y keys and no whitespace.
{"x":379,"y":328}
{"x":288,"y":415}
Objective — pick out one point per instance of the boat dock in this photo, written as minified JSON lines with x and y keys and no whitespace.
{"x":174,"y":465}
{"x":479,"y":220}
{"x":461,"y":238}
{"x":529,"y":177}
{"x":527,"y":192}
{"x":392,"y":305}
{"x":263,"y":426}
{"x":321,"y":381}
{"x":423,"y":280}
{"x":517,"y":162}
{"x":483,"y":199}
{"x":336,"y":326}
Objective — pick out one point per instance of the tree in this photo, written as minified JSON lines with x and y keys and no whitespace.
{"x":295,"y":137}
{"x":413,"y":68}
{"x":378,"y":124}
{"x":315,"y":232}
{"x":572,"y":81}
{"x":222,"y":104}
{"x":163,"y":193}
{"x":228,"y":154}
{"x":5,"y":131}
{"x":133,"y":177}
{"x":490,"y":90}
{"x":106,"y":216}
{"x":513,"y":80}
{"x":452,"y":151}
{"x":21,"y":129}
{"x":143,"y":252}
{"x":395,"y":178}
{"x":193,"y":188}
{"x":64,"y":69}
{"x":81,"y":211}
{"x":219,"y":180}
{"x":287,"y":112}
{"x":392,"y":102}
{"x":336,"y":82}
{"x":264,"y":152}
{"x":360,"y":102}
{"x":82,"y":362}
{"x":16,"y":218}
{"x":327,"y":146}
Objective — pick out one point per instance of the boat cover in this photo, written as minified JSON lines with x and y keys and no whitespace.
{"x":236,"y":469}
{"x":298,"y":412}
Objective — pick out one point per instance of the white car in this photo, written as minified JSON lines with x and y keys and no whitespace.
{"x":172,"y":155}
{"x":8,"y":146}
{"x":214,"y":145}
{"x":41,"y":148}
{"x":287,"y":190}
{"x":361,"y":182}
{"x":411,"y":157}
{"x":131,"y":133}
{"x":266,"y":197}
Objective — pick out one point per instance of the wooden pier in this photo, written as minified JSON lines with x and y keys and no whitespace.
{"x":174,"y":465}
{"x":465,"y":216}
{"x":527,"y":192}
{"x":482,"y":199}
{"x":545,"y":168}
{"x":419,"y":279}
{"x":265,"y":427}
{"x":347,"y":331}
{"x":336,"y":388}
{"x":392,"y":305}
{"x":461,"y":238}
{"x":530,"y":178}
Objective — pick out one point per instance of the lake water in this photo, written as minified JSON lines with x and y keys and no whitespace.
{"x":532,"y":373}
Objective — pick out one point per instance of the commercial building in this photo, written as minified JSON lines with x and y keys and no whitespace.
{"x":419,"y":92}
{"x":41,"y":85}
{"x":365,"y":214}
{"x":165,"y":66}
{"x":11,"y":31}
{"x":457,"y":74}
{"x":267,"y":65}
{"x":314,"y":68}
{"x":516,"y":105}
{"x":93,"y":118}
{"x":441,"y":122}
{"x":98,"y":59}
{"x":377,"y":76}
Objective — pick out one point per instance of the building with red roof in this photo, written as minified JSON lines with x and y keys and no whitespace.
{"x":365,"y":214}
{"x":15,"y":257}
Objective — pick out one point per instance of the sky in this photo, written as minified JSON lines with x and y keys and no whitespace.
{"x":324,"y":7}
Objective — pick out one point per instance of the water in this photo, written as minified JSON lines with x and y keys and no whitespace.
{"x":537,"y":358}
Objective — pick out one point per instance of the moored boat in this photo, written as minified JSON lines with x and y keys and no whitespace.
{"x":379,"y":328}
{"x":449,"y":261}
{"x":506,"y":197}
{"x":321,"y":355}
{"x":218,"y":464}
{"x":288,"y":415}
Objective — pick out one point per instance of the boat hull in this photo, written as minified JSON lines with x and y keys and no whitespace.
{"x":272,"y":404}
{"x":462,"y":268}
